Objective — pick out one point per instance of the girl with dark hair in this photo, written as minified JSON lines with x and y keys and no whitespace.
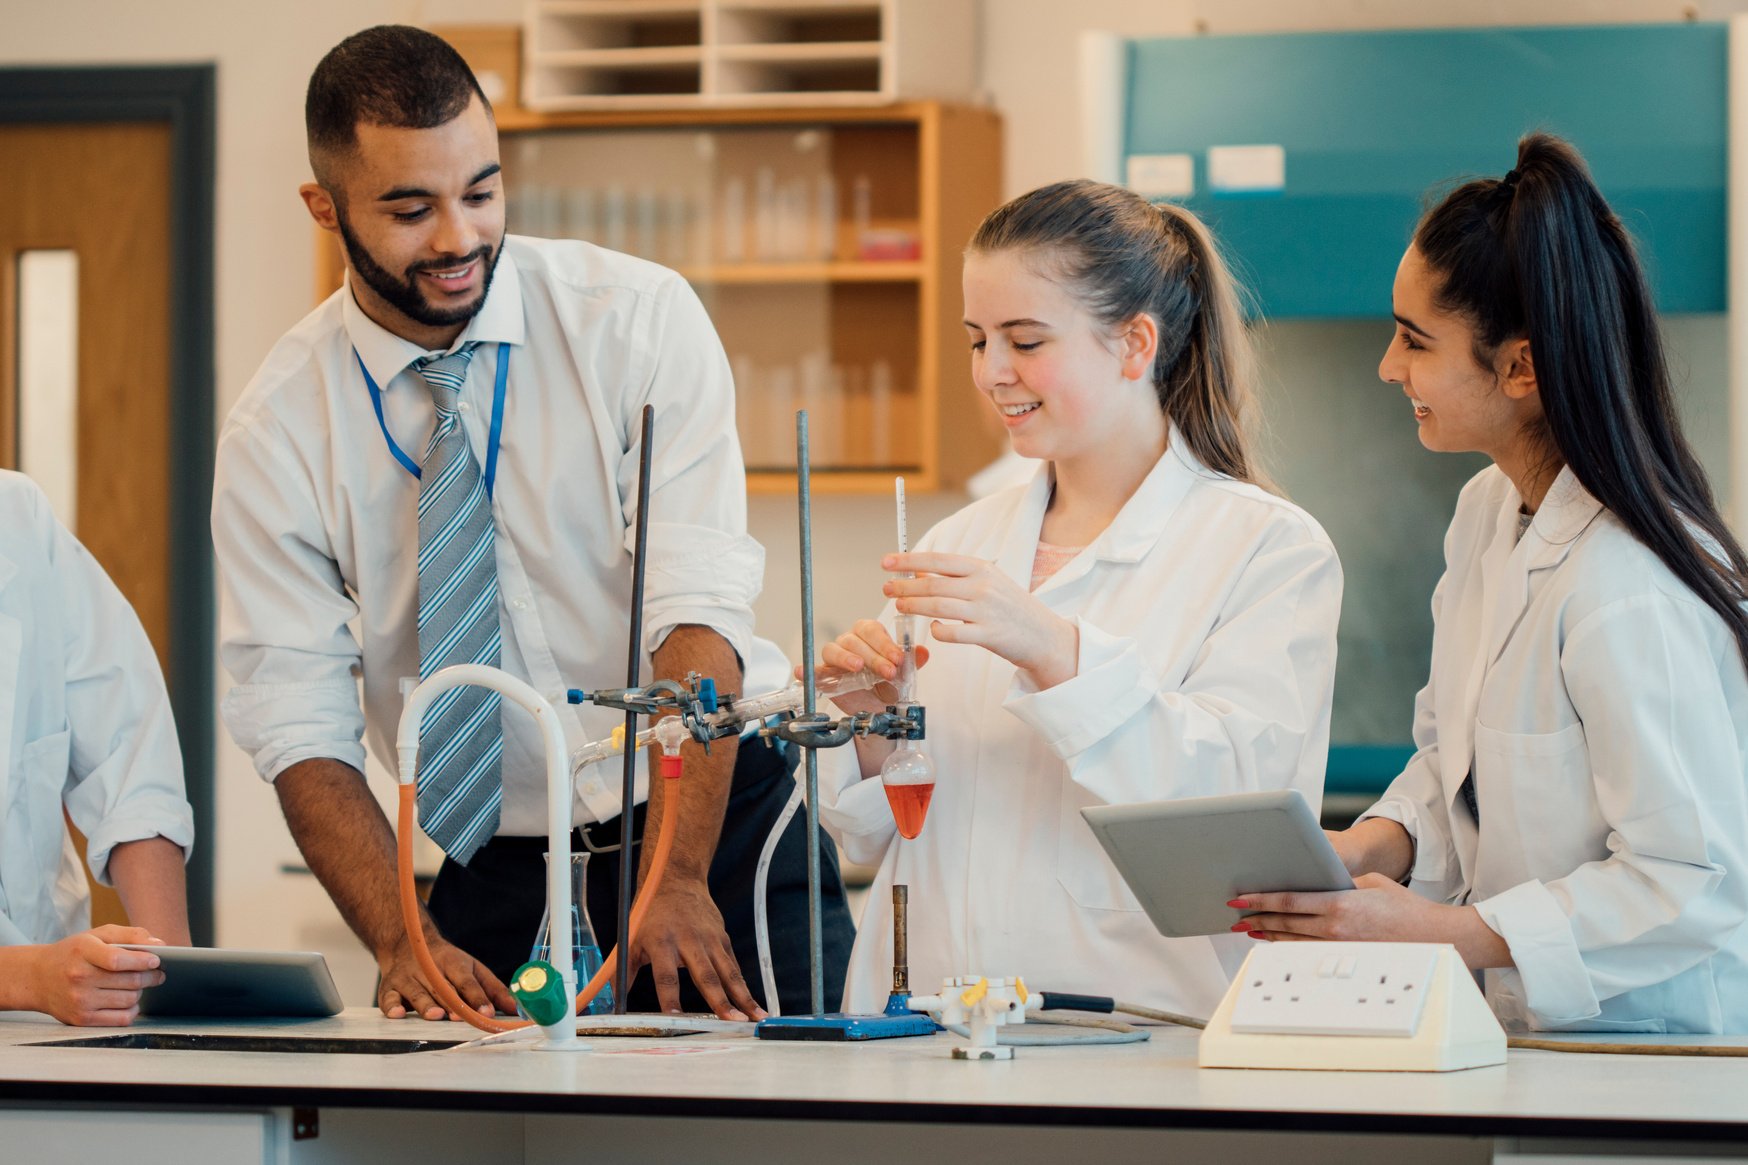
{"x":1143,"y":620}
{"x":1575,"y":819}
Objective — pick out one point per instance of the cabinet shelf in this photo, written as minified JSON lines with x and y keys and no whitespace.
{"x":780,"y":273}
{"x":782,"y":54}
{"x":750,"y":52}
{"x":657,"y":57}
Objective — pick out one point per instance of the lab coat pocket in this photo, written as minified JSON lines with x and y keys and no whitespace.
{"x":1540,"y":784}
{"x":1081,"y":865}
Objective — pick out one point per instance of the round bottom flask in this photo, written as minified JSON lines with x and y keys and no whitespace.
{"x":909,"y":779}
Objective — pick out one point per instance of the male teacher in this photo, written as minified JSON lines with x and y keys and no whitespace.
{"x":438,"y":466}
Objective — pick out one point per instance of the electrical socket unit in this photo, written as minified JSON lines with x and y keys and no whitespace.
{"x":1382,"y":1007}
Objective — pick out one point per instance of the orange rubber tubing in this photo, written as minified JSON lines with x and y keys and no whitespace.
{"x":441,"y":987}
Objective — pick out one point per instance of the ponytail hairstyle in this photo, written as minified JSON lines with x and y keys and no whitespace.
{"x":1123,"y":256}
{"x":1539,"y":255}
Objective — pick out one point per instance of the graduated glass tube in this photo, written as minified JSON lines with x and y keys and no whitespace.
{"x":585,"y":950}
{"x":908,"y":775}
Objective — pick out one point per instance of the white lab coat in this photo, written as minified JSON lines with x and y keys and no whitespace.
{"x":1207,"y":615}
{"x":84,"y":722}
{"x":1604,"y":710}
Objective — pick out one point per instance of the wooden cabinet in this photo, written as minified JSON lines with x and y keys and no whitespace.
{"x":825,"y":243}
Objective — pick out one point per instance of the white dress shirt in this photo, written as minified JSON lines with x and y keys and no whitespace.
{"x":316,"y":524}
{"x":1603,"y":710}
{"x":1207,"y":613}
{"x":84,"y":723}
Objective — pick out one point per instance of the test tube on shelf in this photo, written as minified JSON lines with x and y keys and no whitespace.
{"x":825,"y":218}
{"x":613,"y":219}
{"x":861,"y":210}
{"x":734,"y":221}
{"x":676,"y":227}
{"x":884,"y":425}
{"x":648,"y":237}
{"x":798,"y":227}
{"x":826,"y":431}
{"x":747,"y":413}
{"x":551,"y":213}
{"x":579,"y":214}
{"x":765,"y":216}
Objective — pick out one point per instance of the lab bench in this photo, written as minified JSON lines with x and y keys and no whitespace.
{"x":729,"y":1101}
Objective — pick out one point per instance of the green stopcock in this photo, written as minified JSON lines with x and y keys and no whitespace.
{"x":540,"y":991}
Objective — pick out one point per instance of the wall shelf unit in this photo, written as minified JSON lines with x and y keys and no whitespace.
{"x":616,"y":54}
{"x":825,"y":243}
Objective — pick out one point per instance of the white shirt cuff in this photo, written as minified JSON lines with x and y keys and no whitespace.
{"x":1556,"y":987}
{"x":283,"y":724}
{"x":157,"y":815}
{"x":1112,"y":682}
{"x":701,"y":576}
{"x":1431,"y":857}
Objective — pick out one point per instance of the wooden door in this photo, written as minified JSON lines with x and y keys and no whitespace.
{"x":103,"y":192}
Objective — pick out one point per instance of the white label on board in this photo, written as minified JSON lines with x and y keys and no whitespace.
{"x":1247,"y":169}
{"x":1162,"y":175}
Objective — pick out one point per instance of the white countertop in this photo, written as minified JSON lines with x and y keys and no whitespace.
{"x":1154,"y":1083}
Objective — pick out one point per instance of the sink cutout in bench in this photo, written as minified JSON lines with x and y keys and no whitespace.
{"x":182,"y":1042}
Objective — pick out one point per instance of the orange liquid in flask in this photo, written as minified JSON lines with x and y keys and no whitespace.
{"x":910,"y":806}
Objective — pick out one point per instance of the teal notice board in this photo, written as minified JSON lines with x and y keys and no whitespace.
{"x":1371,"y":122}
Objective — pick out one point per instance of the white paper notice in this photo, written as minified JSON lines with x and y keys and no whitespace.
{"x":1247,"y":169}
{"x":1162,"y":175}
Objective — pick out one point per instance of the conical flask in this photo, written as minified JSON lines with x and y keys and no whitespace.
{"x":585,"y":951}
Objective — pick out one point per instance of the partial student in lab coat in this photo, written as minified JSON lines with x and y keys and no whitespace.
{"x":1576,"y":818}
{"x":85,"y":729}
{"x":1144,"y":619}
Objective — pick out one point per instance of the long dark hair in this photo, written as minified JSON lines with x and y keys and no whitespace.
{"x":1539,"y":255}
{"x":1124,"y":256}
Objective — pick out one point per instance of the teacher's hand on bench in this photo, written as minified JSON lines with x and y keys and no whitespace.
{"x":402,"y":989}
{"x":683,"y":928}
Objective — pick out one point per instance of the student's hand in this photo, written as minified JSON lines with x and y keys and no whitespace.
{"x":971,"y":601}
{"x":86,"y":981}
{"x":866,"y":644}
{"x":683,"y":928}
{"x":1377,"y":909}
{"x":403,"y":990}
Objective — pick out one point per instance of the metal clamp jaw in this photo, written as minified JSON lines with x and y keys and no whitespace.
{"x":897,"y":722}
{"x":695,"y":701}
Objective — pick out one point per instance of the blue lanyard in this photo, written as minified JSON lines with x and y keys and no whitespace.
{"x":492,"y":441}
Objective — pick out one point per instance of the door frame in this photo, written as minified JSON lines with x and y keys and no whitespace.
{"x":185,"y":97}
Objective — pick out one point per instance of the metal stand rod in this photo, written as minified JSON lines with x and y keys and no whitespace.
{"x":628,"y":787}
{"x":815,"y":927}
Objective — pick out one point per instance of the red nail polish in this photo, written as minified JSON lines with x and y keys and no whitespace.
{"x":1241,"y":926}
{"x":1239,"y":904}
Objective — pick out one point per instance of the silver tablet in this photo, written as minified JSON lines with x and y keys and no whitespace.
{"x":215,"y":982}
{"x":1186,"y":859}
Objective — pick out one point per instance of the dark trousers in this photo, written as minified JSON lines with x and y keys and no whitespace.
{"x":491,"y":907}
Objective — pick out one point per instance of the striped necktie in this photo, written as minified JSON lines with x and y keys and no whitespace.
{"x":459,"y":784}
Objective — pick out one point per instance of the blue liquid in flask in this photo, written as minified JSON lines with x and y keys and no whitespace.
{"x":585,"y":951}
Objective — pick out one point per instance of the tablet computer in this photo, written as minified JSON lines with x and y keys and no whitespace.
{"x":1184,"y":860}
{"x":208,"y":981}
